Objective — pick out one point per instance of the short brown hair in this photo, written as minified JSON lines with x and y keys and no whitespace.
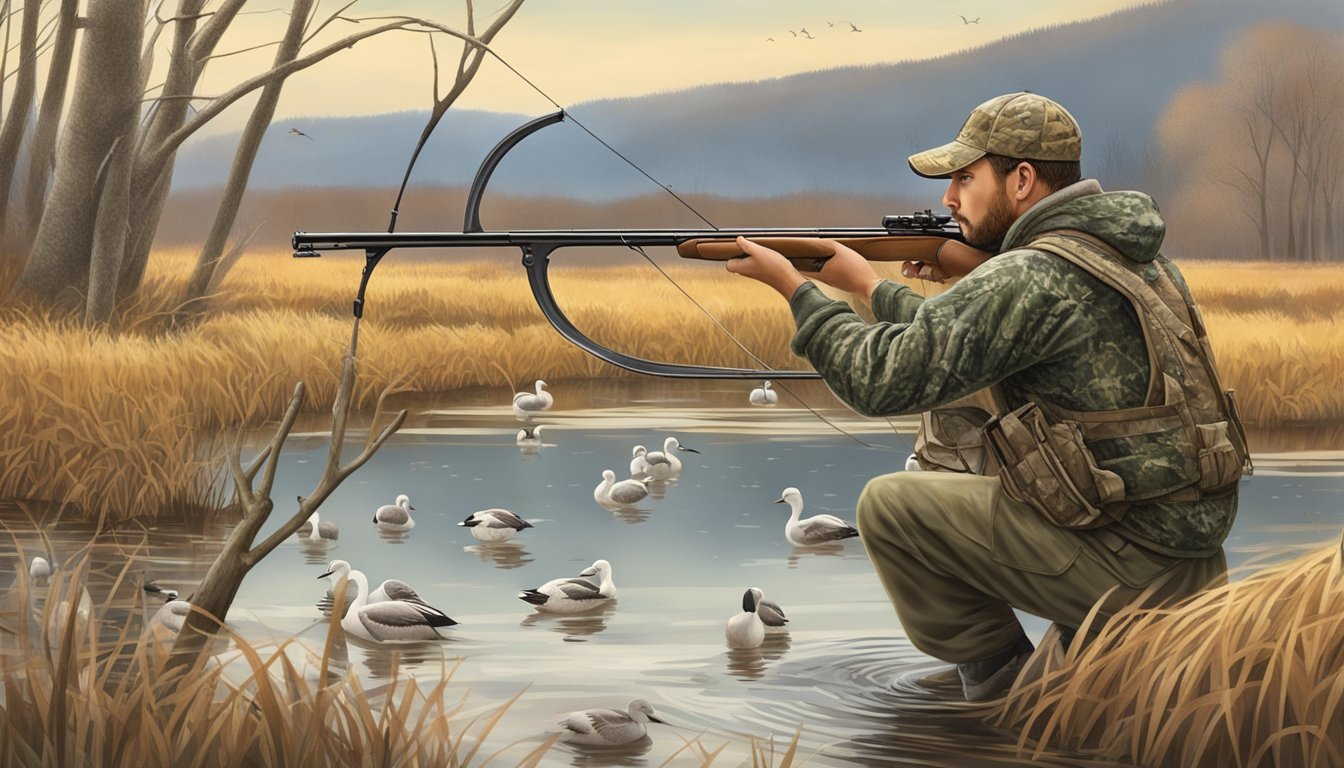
{"x":1055,"y":174}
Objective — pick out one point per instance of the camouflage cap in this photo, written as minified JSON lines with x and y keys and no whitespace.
{"x":1018,"y":125}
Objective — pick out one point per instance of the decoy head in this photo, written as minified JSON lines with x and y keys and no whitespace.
{"x":790,"y":496}
{"x":337,"y":568}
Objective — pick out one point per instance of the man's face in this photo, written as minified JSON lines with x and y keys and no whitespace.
{"x":979,"y":202}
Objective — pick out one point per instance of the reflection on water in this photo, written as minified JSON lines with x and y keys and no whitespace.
{"x":658,"y":488}
{"x":317,"y":551}
{"x":843,"y":671}
{"x":385,"y":661}
{"x":393,"y":535}
{"x":631,"y":515}
{"x":751,"y":663}
{"x":503,"y":554}
{"x":586,"y":756}
{"x":576,"y":627}
{"x":828,"y":549}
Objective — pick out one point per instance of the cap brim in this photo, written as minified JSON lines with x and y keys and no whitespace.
{"x":941,"y":162}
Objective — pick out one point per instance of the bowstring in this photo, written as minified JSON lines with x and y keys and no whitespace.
{"x":668,"y":189}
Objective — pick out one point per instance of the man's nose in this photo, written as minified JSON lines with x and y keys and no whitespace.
{"x":950,"y":197}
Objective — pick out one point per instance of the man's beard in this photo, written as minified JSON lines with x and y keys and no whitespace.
{"x":989,"y":233}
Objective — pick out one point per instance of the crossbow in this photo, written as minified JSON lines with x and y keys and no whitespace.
{"x":923,"y":237}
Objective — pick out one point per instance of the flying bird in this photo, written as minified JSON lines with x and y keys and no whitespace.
{"x":965,"y":20}
{"x":853,"y":28}
{"x":808,"y":35}
{"x":769,"y":39}
{"x":297,"y":132}
{"x":830,"y":24}
{"x":791,"y":32}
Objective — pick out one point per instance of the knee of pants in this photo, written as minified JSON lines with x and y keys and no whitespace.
{"x":883,"y":504}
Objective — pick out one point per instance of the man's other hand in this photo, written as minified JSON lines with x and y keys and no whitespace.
{"x":766,"y":265}
{"x":924,"y":271}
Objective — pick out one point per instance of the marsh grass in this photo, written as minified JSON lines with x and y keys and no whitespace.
{"x":71,"y":699}
{"x":119,"y":423}
{"x":1247,"y":674}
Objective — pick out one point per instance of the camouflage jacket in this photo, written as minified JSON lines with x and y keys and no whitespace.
{"x":1036,"y":325}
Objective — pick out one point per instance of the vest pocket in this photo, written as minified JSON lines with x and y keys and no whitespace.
{"x":1220,"y":462}
{"x":1049,"y":468}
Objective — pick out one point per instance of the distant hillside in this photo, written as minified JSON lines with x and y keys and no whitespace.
{"x":782,"y":136}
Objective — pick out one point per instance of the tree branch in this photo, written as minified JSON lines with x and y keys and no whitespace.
{"x":278,"y":441}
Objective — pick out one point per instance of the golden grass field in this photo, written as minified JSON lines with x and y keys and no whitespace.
{"x":121,"y":424}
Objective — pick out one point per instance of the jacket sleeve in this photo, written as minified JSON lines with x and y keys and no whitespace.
{"x":895,"y":303}
{"x":1007,"y":316}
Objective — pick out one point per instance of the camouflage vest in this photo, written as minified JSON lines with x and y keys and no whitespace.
{"x":1040,"y":451}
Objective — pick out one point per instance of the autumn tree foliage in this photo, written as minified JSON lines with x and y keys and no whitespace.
{"x":1255,"y":159}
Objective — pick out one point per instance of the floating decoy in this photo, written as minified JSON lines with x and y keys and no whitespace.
{"x":610,"y":493}
{"x":664,"y":465}
{"x":608,"y":727}
{"x":812,"y":530}
{"x":396,"y":516}
{"x":528,"y":404}
{"x":763,"y":395}
{"x":494,"y":524}
{"x":592,"y":588}
{"x":388,"y":620}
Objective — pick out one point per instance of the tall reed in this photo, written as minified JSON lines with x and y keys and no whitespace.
{"x":1248,"y":674}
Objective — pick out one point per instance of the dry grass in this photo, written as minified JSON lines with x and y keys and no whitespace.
{"x":69,"y":700}
{"x":118,"y":424}
{"x":1248,"y":674}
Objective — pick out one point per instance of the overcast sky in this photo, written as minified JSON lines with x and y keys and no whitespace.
{"x":579,"y":50}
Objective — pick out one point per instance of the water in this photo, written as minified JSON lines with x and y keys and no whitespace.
{"x":843,"y":674}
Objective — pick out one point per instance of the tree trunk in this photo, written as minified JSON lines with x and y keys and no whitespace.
{"x":43,"y":148}
{"x":149,"y":186}
{"x":106,"y":90}
{"x":109,"y":232}
{"x":248,"y":145}
{"x":20,"y":105}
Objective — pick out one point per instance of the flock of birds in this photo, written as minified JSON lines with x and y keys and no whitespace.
{"x":804,"y":34}
{"x":395,"y":612}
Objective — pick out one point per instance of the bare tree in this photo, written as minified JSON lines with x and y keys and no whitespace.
{"x":240,"y":552}
{"x":43,"y":149}
{"x":110,"y":184}
{"x":20,"y":105}
{"x":210,"y":264}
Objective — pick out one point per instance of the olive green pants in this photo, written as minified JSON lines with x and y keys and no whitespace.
{"x":957,"y":555}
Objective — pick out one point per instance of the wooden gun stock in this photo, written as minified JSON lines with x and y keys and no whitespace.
{"x":953,"y":257}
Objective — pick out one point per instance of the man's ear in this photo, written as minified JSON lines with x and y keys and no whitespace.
{"x":1023,"y":181}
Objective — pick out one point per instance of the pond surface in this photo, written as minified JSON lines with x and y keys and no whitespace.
{"x":843,"y":673}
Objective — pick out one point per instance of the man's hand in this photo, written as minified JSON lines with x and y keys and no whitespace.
{"x":924,"y":271}
{"x":768,"y":266}
{"x":848,"y":271}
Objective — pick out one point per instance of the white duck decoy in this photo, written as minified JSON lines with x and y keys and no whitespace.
{"x":611,"y":494}
{"x":638,"y":467}
{"x":576,"y":594}
{"x":912,"y":464}
{"x":389,"y":619}
{"x":608,"y":727}
{"x":172,"y":614}
{"x":396,"y":516}
{"x":318,"y":529}
{"x":745,"y":629}
{"x":494,"y":524}
{"x":40,"y":570}
{"x":664,"y":465}
{"x":772,"y":616}
{"x":528,"y":404}
{"x":814,"y":530}
{"x":529,"y":437}
{"x":763,"y":395}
